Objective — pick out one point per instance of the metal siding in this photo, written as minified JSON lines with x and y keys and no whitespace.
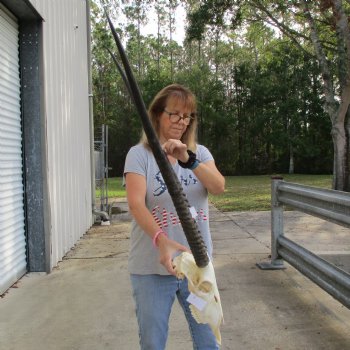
{"x":12,"y":234}
{"x":67,"y":109}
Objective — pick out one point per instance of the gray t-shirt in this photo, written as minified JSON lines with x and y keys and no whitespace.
{"x":143,"y":257}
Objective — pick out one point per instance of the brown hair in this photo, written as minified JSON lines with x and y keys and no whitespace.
{"x":158,"y":104}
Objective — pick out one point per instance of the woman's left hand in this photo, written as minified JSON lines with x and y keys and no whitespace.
{"x":167,"y":249}
{"x":176,"y":149}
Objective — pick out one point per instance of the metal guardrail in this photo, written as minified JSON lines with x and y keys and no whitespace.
{"x":330,"y":205}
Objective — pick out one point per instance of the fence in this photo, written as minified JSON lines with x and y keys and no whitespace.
{"x":101,"y":167}
{"x":330,"y":205}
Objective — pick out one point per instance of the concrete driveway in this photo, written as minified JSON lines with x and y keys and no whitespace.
{"x":86,"y":302}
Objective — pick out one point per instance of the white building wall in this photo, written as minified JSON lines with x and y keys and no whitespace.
{"x":67,"y":114}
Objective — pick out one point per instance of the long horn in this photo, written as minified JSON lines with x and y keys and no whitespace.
{"x":189,"y":225}
{"x":121,"y":72}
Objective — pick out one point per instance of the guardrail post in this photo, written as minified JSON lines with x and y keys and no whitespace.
{"x":276,"y":262}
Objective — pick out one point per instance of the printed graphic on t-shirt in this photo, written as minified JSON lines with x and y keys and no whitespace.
{"x":189,"y":181}
{"x":165,"y":219}
{"x":160,"y":186}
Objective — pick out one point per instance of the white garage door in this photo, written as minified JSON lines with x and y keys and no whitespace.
{"x":12,"y":233}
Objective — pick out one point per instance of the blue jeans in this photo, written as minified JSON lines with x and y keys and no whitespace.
{"x":154,"y":296}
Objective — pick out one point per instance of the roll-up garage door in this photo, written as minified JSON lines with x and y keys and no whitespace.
{"x":12,"y":230}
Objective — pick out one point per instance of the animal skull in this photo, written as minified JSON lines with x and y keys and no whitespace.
{"x":202,"y":283}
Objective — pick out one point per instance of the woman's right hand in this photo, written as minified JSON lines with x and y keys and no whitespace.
{"x":167,"y":249}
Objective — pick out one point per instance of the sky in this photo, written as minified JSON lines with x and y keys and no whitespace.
{"x":151,"y":27}
{"x":180,"y":20}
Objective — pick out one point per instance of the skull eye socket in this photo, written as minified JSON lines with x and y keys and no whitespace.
{"x":205,"y":287}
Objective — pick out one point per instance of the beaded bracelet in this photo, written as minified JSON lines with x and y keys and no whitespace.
{"x":155,"y":237}
{"x":191,"y":163}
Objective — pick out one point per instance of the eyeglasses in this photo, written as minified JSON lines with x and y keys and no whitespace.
{"x":175,"y":117}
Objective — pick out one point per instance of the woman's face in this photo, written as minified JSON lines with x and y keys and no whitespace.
{"x":167,"y":128}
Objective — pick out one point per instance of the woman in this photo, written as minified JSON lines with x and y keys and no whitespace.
{"x":156,"y":234}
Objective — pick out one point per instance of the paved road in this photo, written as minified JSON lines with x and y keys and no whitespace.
{"x":86,"y":303}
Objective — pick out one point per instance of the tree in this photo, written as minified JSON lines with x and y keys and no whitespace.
{"x":161,"y":20}
{"x":136,"y":13}
{"x":321,"y":29}
{"x":259,"y":92}
{"x":112,"y":104}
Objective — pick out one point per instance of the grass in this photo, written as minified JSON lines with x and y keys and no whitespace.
{"x":253,"y":193}
{"x":115,"y":188}
{"x":243,"y":193}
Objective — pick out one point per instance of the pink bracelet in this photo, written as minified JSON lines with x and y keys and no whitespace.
{"x":155,"y":237}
